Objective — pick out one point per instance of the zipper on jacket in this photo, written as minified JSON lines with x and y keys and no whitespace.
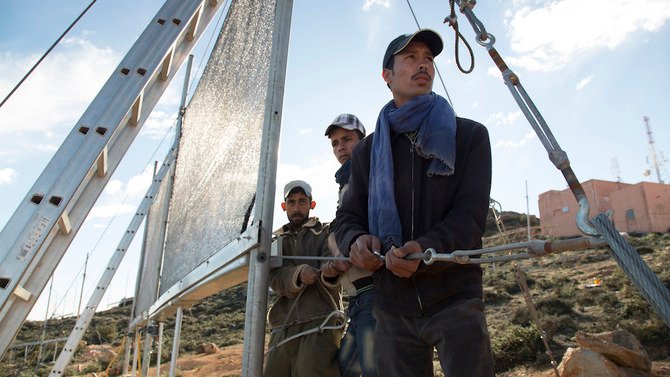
{"x":412,"y":143}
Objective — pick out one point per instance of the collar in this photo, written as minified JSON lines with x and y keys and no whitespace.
{"x":312,"y":222}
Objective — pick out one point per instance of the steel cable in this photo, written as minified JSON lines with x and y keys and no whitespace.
{"x":651,"y":287}
{"x":47,"y":52}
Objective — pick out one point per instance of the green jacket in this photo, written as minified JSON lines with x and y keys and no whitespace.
{"x":297,"y":302}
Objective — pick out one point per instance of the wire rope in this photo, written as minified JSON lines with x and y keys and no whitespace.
{"x":649,"y":284}
{"x":439,"y":75}
{"x":47,"y":53}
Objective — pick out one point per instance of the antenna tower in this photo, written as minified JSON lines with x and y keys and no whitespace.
{"x":614,"y":168}
{"x":656,"y":162}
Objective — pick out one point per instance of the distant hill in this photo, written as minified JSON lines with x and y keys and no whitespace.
{"x":510,"y":221}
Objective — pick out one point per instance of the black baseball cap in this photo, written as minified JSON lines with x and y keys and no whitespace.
{"x":427,"y":36}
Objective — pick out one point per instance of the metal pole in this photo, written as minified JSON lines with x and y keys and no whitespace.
{"x":126,"y":357}
{"x":527,"y":212}
{"x":147,"y":351}
{"x":83,"y":280}
{"x":159,"y":350}
{"x":175,"y":342}
{"x":257,"y":290}
{"x":46,"y":318}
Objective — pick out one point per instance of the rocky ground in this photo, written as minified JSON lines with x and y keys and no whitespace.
{"x":561,"y":287}
{"x":227,"y":362}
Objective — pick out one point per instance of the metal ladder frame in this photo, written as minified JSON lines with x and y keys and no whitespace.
{"x":41,"y":229}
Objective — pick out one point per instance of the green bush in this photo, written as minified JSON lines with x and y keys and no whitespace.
{"x":515,"y":345}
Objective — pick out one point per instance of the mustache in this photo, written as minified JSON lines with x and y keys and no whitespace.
{"x":420,"y":73}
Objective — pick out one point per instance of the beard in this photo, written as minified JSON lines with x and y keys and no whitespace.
{"x":297,"y":219}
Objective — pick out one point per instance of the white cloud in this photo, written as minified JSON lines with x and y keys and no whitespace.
{"x":305,"y":131}
{"x":58,"y":91}
{"x":158,"y":124}
{"x":113,"y":187}
{"x":516,"y":143}
{"x":43,"y":147}
{"x":107,"y":211}
{"x":550,"y":37}
{"x":139,"y":184}
{"x":494,"y":71}
{"x":370,"y":3}
{"x":584,"y":82}
{"x":7,"y":175}
{"x":502,"y":119}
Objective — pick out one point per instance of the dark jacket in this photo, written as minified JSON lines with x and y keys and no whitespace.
{"x":300,"y":302}
{"x":449,"y":213}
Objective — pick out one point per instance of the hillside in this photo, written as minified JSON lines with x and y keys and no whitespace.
{"x":559,"y":286}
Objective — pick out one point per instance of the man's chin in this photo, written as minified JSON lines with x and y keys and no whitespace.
{"x":298,"y":220}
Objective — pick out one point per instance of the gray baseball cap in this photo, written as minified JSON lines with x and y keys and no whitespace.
{"x":304,"y":186}
{"x":348,"y":122}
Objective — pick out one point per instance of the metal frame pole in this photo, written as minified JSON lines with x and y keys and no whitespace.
{"x":175,"y":342}
{"x":147,"y":351}
{"x":159,"y":349}
{"x":259,"y":259}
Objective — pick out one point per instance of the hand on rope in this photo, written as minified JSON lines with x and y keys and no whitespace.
{"x":308,"y":275}
{"x":334,"y":267}
{"x":397,"y":260}
{"x":364,"y":253}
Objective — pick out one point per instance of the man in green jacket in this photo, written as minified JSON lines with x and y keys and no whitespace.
{"x":307,"y":298}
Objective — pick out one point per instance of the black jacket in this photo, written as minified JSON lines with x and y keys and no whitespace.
{"x":449,"y":213}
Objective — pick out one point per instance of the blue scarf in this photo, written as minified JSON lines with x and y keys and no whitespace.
{"x":435,"y":121}
{"x":342,"y":174}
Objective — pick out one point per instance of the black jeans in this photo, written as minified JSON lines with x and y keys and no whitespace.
{"x":404,"y":345}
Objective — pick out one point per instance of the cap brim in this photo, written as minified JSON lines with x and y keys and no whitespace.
{"x":348,"y":127}
{"x":427,"y":36}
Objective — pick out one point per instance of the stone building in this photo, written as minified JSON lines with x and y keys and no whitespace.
{"x":640,"y":207}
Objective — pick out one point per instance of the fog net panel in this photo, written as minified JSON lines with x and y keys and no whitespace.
{"x":219,"y":152}
{"x":147,"y":293}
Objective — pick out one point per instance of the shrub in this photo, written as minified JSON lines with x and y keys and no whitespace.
{"x":515,"y":345}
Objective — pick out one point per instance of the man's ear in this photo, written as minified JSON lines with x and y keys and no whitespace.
{"x":312,"y":205}
{"x":386,"y":75}
{"x":283,"y":206}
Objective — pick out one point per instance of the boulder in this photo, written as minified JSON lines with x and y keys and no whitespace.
{"x":207,"y":348}
{"x":582,"y":362}
{"x":102,"y":353}
{"x":619,"y":346}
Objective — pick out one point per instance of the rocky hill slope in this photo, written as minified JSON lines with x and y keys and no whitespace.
{"x":561,"y":286}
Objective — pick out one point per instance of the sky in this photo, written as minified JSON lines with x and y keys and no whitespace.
{"x":594,"y":69}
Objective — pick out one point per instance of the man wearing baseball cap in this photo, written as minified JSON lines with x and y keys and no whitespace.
{"x":306,"y":296}
{"x":421,"y":180}
{"x":356,"y":355}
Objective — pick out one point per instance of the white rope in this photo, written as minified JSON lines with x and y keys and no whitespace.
{"x":321,"y":327}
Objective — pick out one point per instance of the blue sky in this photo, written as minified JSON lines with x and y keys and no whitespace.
{"x":593,"y":69}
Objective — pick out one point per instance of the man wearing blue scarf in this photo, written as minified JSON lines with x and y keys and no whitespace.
{"x":421,"y":180}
